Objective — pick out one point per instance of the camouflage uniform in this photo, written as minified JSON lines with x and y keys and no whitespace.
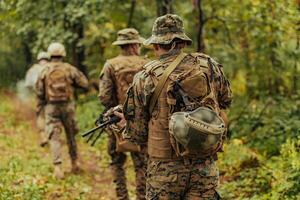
{"x":60,"y":115}
{"x":115,"y":78}
{"x":169,"y":175}
{"x":30,"y":82}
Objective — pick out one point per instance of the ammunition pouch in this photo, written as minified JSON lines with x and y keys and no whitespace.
{"x":200,"y":132}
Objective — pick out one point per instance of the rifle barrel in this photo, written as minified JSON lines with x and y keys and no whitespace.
{"x":96,"y":128}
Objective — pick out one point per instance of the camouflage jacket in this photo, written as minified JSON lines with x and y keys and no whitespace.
{"x":76,"y":77}
{"x":136,"y":107}
{"x":32,"y":75}
{"x":116,"y":77}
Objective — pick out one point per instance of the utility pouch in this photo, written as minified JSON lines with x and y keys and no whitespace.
{"x":123,"y":145}
{"x":199,"y":132}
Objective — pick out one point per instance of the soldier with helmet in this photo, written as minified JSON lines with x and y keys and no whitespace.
{"x":115,"y":79}
{"x":174,"y":107}
{"x":55,"y":91}
{"x":30,"y":82}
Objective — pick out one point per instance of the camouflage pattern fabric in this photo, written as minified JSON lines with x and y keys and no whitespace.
{"x":59,"y":118}
{"x":117,"y":169}
{"x":40,"y":121}
{"x":164,"y":184}
{"x":128,"y":36}
{"x":167,"y":28}
{"x":138,"y":96}
{"x":178,"y":180}
{"x":115,"y":79}
{"x":172,"y":176}
{"x":74,"y":76}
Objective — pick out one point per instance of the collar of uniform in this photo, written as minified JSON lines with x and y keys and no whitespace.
{"x":170,"y":54}
{"x":126,"y":53}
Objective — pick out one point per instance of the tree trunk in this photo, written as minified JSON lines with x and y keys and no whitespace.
{"x":200,"y":25}
{"x":27,"y":53}
{"x":78,"y":54}
{"x":132,"y":9}
{"x":164,"y":7}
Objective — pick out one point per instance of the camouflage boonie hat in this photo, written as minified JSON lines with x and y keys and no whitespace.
{"x":128,"y":36}
{"x":165,"y":29}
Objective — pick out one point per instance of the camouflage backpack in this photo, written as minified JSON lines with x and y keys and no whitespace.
{"x":58,"y":86}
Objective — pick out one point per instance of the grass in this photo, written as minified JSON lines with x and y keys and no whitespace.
{"x":257,"y":164}
{"x":26,"y":169}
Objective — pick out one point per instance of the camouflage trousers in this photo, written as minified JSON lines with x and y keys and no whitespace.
{"x":117,"y":168}
{"x":180,"y":180}
{"x":40,"y":123}
{"x":59,"y":117}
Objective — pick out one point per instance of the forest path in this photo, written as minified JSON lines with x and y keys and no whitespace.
{"x":27,"y":167}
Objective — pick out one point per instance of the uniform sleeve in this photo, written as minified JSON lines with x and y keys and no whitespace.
{"x":40,"y":89}
{"x":28,"y":79}
{"x":136,"y":110}
{"x":107,"y":90}
{"x":79,"y":79}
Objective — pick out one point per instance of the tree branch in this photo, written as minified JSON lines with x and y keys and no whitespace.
{"x":132,"y":8}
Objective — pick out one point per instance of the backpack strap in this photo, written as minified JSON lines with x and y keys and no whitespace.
{"x":162,"y":81}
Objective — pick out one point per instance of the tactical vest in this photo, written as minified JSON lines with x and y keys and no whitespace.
{"x":125,"y":67}
{"x":192,"y":72}
{"x":159,"y":143}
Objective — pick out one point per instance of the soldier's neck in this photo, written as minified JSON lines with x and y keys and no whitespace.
{"x":128,"y":53}
{"x":56,"y":60}
{"x":168,"y":54}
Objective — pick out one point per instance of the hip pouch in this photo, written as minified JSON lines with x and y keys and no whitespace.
{"x":122,"y":144}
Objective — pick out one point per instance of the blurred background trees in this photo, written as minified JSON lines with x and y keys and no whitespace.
{"x":257,"y":41}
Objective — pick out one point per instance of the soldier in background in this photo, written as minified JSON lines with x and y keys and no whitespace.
{"x":30,"y":82}
{"x":115,"y":79}
{"x":176,"y":169}
{"x":55,"y":90}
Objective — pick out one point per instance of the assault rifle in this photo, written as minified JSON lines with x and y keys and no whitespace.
{"x":103,"y":121}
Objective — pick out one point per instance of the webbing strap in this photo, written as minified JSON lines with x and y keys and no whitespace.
{"x":162,"y":81}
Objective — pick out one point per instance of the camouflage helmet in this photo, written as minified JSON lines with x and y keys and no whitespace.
{"x":167,"y":28}
{"x":43,"y":55}
{"x":56,"y":49}
{"x":128,"y":36}
{"x":201,"y":130}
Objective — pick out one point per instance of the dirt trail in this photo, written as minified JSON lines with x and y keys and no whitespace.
{"x":95,"y":173}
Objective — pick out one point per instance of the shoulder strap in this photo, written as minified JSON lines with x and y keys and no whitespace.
{"x":162,"y":81}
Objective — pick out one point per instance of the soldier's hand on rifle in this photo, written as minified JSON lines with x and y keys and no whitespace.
{"x":122,"y":122}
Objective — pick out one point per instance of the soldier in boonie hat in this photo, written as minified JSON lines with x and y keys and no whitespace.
{"x":115,"y":79}
{"x":167,"y":28}
{"x":128,"y":36}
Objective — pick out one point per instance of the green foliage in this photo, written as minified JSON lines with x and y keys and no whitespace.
{"x":266,"y":124}
{"x":257,"y":42}
{"x":261,"y":161}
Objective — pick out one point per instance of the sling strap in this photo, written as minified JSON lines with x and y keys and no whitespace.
{"x":162,"y":81}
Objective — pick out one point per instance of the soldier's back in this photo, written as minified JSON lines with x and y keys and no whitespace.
{"x":124,"y":69}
